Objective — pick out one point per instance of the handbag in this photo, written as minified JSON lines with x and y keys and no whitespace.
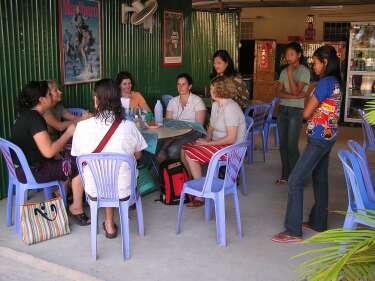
{"x":43,"y":220}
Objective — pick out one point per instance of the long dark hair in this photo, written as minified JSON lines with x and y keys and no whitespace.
{"x":108,"y":100}
{"x":224,"y":56}
{"x":329,"y":53}
{"x":298,"y":49}
{"x":124,"y":75}
{"x":30,"y":94}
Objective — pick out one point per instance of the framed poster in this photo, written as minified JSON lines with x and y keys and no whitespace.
{"x":173,"y":27}
{"x":80,"y":41}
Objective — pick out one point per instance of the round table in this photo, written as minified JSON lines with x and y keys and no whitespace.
{"x":166,"y":133}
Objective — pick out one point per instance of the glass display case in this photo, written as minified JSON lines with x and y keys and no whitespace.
{"x":360,"y":85}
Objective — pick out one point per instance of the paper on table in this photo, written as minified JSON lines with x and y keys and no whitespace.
{"x":125,"y":102}
{"x":179,"y":124}
{"x":151,"y":140}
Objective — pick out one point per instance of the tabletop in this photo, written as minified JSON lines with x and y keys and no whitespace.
{"x":165,"y":132}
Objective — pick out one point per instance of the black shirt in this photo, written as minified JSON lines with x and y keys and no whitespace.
{"x":29,"y":123}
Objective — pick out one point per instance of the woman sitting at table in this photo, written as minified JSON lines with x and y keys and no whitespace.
{"x":227,"y":126}
{"x":30,"y":134}
{"x":126,"y":139}
{"x":129,"y":98}
{"x":186,"y":107}
{"x":57,"y":117}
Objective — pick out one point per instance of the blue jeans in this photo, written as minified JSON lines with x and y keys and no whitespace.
{"x":289,"y":123}
{"x":315,"y":159}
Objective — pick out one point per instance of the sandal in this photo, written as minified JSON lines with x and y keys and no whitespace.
{"x":80,"y":219}
{"x":281,"y":181}
{"x":284,"y":237}
{"x":110,"y":235}
{"x":195,"y":203}
{"x":306,"y":225}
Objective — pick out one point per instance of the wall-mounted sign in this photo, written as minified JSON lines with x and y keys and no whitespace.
{"x":80,"y":42}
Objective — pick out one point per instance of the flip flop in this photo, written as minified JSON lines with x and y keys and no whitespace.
{"x":195,"y":204}
{"x":306,"y":225}
{"x":284,"y":237}
{"x":80,"y":219}
{"x":281,"y":181}
{"x":110,"y":235}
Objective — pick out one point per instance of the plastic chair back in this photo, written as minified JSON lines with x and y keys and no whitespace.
{"x":272,"y":108}
{"x":235,"y":154}
{"x":258,"y":112}
{"x":165,"y":100}
{"x":76,"y":111}
{"x":368,"y":133}
{"x":105,"y":169}
{"x":360,"y":154}
{"x":7,"y":148}
{"x":354,"y":181}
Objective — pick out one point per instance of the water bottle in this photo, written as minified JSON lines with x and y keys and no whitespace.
{"x":158,"y":110}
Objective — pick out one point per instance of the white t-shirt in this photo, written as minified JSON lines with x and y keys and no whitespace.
{"x":126,"y":139}
{"x":229,"y":115}
{"x":186,"y":113}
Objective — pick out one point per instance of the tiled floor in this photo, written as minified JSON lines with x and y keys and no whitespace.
{"x":192,"y":255}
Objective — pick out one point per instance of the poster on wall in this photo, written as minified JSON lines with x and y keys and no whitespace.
{"x":80,"y":42}
{"x":173,"y":26}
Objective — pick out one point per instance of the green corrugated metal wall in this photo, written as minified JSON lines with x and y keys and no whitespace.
{"x":29,"y":49}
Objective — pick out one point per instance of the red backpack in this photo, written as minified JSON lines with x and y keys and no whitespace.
{"x":174,"y":176}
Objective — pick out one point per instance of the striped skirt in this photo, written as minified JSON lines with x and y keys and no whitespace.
{"x":202,"y":153}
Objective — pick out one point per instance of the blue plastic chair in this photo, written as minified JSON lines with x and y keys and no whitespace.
{"x":258,"y":112}
{"x":357,"y":195}
{"x":165,"y":99}
{"x":243,"y":175}
{"x":214,"y":189}
{"x":249,"y":139}
{"x":271,"y":124}
{"x":368,"y":179}
{"x":368,"y":132}
{"x":105,"y":169}
{"x":76,"y":111}
{"x":20,"y":189}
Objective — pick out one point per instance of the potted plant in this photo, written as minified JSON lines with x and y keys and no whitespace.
{"x":347,"y":255}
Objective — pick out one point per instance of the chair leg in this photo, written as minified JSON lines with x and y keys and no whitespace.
{"x":349,"y":222}
{"x":266,"y":132}
{"x":48,"y":193}
{"x":124,"y":221}
{"x":94,"y":228}
{"x":138,"y":204}
{"x":236,"y":205}
{"x":10,"y":202}
{"x":208,"y":209}
{"x":220,"y":219}
{"x":250,"y":149}
{"x":179,"y":215}
{"x":243,"y":181}
{"x":21,"y":196}
{"x":264,"y":140}
{"x":63,"y":195}
{"x":276,"y":136}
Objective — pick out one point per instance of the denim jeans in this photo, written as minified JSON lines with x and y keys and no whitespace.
{"x":289,"y":123}
{"x":315,"y":159}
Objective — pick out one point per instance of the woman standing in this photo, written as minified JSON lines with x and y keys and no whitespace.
{"x":130,"y":99}
{"x":293,"y":83}
{"x":322,"y":112}
{"x":223,"y":66}
{"x":30,"y":134}
{"x":227,"y":126}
